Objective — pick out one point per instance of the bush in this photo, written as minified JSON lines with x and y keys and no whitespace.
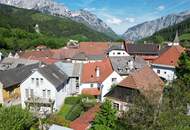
{"x":72,"y":100}
{"x":59,"y":120}
{"x":15,"y":118}
{"x":86,"y":96}
{"x":74,"y":112}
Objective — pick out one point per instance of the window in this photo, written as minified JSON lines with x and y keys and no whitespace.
{"x":41,"y":80}
{"x":32,"y":79}
{"x":158,"y":71}
{"x":49,"y":93}
{"x":27,"y":93}
{"x":113,"y":53}
{"x":77,"y":84}
{"x":31,"y":93}
{"x":91,"y":85}
{"x":119,"y":53}
{"x":114,"y":80}
{"x":44,"y":93}
{"x":165,"y":72}
{"x":37,"y":82}
{"x":116,"y":106}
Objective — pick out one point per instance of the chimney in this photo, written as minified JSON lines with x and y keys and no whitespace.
{"x":97,"y":72}
{"x":130,"y":64}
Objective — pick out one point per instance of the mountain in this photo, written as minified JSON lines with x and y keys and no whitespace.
{"x":168,"y":34}
{"x":53,"y":8}
{"x":150,"y":27}
{"x":23,"y":29}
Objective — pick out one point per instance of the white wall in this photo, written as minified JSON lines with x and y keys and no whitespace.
{"x":118,"y":53}
{"x":107,"y":83}
{"x":38,"y":90}
{"x":85,"y":61}
{"x":87,"y":85}
{"x":1,"y":93}
{"x":123,"y":106}
{"x":165,"y":72}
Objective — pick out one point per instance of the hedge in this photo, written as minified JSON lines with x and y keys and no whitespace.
{"x":72,"y":100}
{"x":74,"y":112}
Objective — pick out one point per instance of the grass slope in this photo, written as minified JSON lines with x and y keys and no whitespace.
{"x":17,"y":25}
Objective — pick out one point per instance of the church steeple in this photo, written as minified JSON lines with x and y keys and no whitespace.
{"x":176,"y":40}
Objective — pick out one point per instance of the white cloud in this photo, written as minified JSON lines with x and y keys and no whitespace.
{"x":129,"y":19}
{"x":161,"y":7}
{"x":114,"y":20}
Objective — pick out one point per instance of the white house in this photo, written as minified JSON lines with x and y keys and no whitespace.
{"x":45,"y":89}
{"x":164,"y":65}
{"x":117,"y":50}
{"x":97,"y":78}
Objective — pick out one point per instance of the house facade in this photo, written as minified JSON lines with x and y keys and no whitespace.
{"x":164,"y":65}
{"x":97,"y":78}
{"x":10,"y":84}
{"x":117,"y":50}
{"x":136,"y":84}
{"x":45,"y":89}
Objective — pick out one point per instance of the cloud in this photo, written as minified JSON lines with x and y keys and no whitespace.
{"x":161,"y":7}
{"x":130,"y":19}
{"x":114,"y":20}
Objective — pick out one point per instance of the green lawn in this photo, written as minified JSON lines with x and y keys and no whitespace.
{"x":65,"y":109}
{"x":185,"y":36}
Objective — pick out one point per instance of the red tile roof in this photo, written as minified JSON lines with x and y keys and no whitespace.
{"x":84,"y":121}
{"x":149,"y":58}
{"x":36,"y":54}
{"x":145,"y":80}
{"x":46,"y":60}
{"x":89,"y":71}
{"x":94,"y":48}
{"x":65,"y":53}
{"x":170,"y":56}
{"x":89,"y":48}
{"x":91,"y":91}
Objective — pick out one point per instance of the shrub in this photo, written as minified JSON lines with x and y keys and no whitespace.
{"x":74,"y":112}
{"x":59,"y":120}
{"x":15,"y":118}
{"x":72,"y":100}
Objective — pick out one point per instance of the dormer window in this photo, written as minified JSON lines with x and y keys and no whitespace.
{"x":41,"y":80}
{"x":37,"y":81}
{"x":32,"y":80}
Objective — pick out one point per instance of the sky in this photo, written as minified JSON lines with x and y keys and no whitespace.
{"x":122,"y":14}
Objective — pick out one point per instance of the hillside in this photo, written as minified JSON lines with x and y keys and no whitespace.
{"x":148,"y":28}
{"x":168,"y":34}
{"x":58,"y":9}
{"x":19,"y":27}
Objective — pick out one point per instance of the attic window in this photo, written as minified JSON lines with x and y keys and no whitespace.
{"x":91,"y":76}
{"x":172,"y":61}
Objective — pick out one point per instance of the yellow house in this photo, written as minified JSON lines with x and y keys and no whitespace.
{"x":10,"y":83}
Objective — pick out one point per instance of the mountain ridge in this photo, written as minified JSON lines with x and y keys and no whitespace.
{"x":148,"y":28}
{"x":57,"y":9}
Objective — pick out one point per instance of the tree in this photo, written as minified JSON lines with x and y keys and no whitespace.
{"x":158,"y":39}
{"x":176,"y":97}
{"x":106,"y":118}
{"x":15,"y":118}
{"x":140,"y":116}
